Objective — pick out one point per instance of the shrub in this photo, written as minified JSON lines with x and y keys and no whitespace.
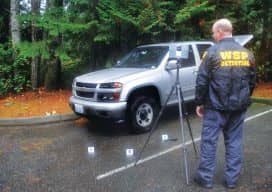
{"x":15,"y":74}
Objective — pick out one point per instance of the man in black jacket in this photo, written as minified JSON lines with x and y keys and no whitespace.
{"x":225,"y":82}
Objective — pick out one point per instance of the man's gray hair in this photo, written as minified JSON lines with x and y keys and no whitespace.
{"x":224,"y":25}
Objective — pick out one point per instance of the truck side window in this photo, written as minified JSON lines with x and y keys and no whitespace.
{"x":190,"y":62}
{"x":144,"y":57}
{"x":202,"y":49}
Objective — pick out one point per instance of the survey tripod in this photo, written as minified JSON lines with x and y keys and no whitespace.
{"x":182,"y":112}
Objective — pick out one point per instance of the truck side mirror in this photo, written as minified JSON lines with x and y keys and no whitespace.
{"x":171,"y":64}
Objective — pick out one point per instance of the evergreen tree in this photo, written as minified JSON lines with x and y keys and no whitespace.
{"x":68,"y":37}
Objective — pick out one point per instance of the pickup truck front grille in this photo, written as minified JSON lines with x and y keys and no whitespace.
{"x":87,"y":85}
{"x":85,"y":90}
{"x":85,"y":94}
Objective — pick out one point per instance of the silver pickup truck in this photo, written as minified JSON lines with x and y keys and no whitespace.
{"x":138,"y":85}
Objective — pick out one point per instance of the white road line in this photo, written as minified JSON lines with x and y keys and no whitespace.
{"x":258,"y":115}
{"x":144,"y":160}
{"x":120,"y":169}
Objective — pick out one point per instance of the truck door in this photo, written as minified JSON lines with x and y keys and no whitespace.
{"x":188,"y":74}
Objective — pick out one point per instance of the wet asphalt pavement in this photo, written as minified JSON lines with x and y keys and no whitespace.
{"x":55,"y":157}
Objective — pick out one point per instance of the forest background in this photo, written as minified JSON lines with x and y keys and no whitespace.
{"x":46,"y":43}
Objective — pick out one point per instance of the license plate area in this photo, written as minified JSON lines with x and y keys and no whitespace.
{"x":79,"y":108}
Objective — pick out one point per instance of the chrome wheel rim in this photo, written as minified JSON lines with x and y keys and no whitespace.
{"x":144,"y":115}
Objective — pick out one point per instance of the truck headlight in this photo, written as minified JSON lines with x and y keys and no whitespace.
{"x":109,"y":96}
{"x":110,"y":85}
{"x":114,"y":96}
{"x":73,"y":87}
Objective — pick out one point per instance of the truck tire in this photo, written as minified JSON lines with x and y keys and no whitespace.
{"x":143,"y":112}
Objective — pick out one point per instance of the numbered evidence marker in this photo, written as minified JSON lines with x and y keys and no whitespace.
{"x":91,"y":149}
{"x":129,"y":152}
{"x":164,"y":137}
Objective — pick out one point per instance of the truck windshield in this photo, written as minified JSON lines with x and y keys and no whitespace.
{"x":144,"y":57}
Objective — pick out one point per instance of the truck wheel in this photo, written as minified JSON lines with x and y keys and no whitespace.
{"x":143,"y":112}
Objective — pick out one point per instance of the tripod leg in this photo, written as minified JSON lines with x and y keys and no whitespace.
{"x":154,"y":125}
{"x":188,"y":122}
{"x":182,"y":134}
{"x":191,"y":135}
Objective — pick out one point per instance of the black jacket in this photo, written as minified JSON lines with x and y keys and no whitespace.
{"x":226,"y":77}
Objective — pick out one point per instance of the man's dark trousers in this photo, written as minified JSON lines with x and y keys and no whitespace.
{"x":231,"y":123}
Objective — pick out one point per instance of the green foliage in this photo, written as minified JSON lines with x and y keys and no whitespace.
{"x":85,"y":35}
{"x":4,"y":21}
{"x":111,"y":16}
{"x":258,"y":15}
{"x":193,"y":9}
{"x":153,"y":18}
{"x":14,"y":75}
{"x":21,"y":79}
{"x":264,"y":71}
{"x":145,"y":19}
{"x":56,"y":24}
{"x":33,"y":49}
{"x":194,"y":19}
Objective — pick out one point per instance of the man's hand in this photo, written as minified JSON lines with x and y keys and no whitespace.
{"x":200,"y":110}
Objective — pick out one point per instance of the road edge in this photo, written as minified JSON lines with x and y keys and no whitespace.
{"x":261,"y":100}
{"x":38,"y":120}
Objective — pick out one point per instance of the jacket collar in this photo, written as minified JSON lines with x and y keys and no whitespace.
{"x":226,"y":39}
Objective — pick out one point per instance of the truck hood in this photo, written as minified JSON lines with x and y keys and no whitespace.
{"x":110,"y":75}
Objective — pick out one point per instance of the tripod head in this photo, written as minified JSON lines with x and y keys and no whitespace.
{"x":177,"y":53}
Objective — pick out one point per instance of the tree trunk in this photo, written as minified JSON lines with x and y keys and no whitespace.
{"x":14,"y":30}
{"x":14,"y":23}
{"x":264,"y":57}
{"x":35,"y":60}
{"x":53,"y":74}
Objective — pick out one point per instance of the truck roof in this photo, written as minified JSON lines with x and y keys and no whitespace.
{"x":241,"y":39}
{"x":175,"y":43}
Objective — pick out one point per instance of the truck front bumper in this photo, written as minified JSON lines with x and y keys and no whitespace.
{"x":109,"y":110}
